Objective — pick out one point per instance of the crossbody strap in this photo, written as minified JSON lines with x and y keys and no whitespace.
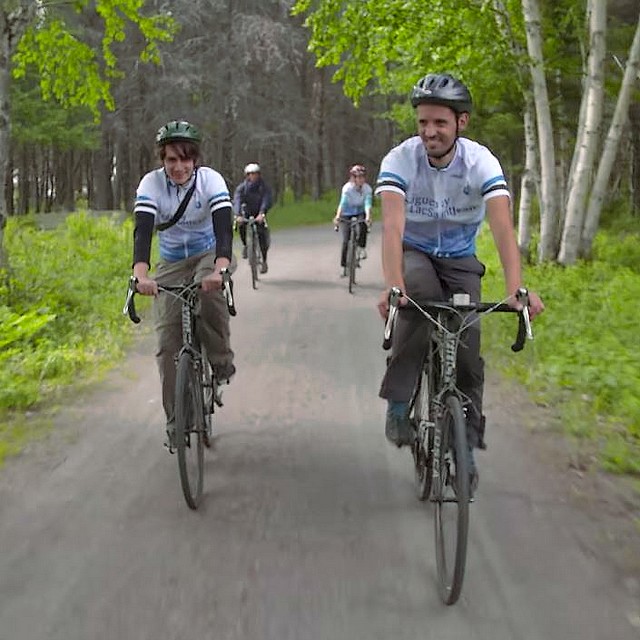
{"x":181,"y":207}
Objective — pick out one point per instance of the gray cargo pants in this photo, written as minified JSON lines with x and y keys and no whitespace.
{"x":214,"y":324}
{"x":431,"y":278}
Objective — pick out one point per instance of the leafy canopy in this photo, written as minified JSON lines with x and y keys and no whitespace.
{"x":70,"y":70}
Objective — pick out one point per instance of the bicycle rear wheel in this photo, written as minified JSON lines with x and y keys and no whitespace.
{"x":189,"y":430}
{"x":451,"y":495}
{"x":351,"y":259}
{"x":422,"y":447}
{"x":208,"y":396}
{"x":253,"y":257}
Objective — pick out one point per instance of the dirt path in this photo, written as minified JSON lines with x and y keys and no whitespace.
{"x":309,"y":528}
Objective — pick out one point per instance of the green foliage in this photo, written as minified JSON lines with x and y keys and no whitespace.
{"x":389,"y":44}
{"x":584,"y":359}
{"x":61,"y":309}
{"x":68,"y":67}
{"x":46,"y":122}
{"x":296,"y":213}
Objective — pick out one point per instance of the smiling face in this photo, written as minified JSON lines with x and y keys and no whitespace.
{"x":438,"y":128}
{"x":178,"y":162}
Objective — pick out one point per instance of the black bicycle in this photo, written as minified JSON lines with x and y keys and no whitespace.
{"x":197,"y":388}
{"x":438,"y":416}
{"x":353,"y":254}
{"x":254,"y":253}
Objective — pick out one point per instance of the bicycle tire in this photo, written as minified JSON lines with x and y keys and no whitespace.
{"x":351,"y":259}
{"x":253,"y":257}
{"x":208,"y":396}
{"x":422,"y":450}
{"x":451,"y":495}
{"x":189,"y":430}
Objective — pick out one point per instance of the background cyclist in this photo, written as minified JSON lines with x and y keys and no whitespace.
{"x":255,"y":194}
{"x":355,"y":201}
{"x":436,"y":188}
{"x":196,"y":247}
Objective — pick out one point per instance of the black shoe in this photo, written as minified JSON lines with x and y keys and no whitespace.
{"x":244,"y":252}
{"x":397,"y":428}
{"x":264,"y":268}
{"x":224,"y":372}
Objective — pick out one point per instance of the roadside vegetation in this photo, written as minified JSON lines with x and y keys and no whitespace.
{"x":61,"y":304}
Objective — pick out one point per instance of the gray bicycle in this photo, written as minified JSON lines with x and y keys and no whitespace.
{"x":438,"y":416}
{"x":197,"y":387}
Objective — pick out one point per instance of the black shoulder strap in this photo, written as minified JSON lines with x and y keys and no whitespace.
{"x":181,"y":208}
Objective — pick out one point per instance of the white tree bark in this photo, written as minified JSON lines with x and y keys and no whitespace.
{"x":588,"y":142}
{"x":530,"y":183}
{"x":548,"y":188}
{"x":612,"y":142}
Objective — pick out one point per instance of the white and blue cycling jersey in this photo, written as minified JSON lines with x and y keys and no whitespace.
{"x":444,"y":206}
{"x":193,"y":233}
{"x":355,"y":200}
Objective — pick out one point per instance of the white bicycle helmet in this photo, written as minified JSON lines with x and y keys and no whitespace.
{"x":252,"y":167}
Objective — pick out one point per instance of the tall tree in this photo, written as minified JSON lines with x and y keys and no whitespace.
{"x":35,"y":33}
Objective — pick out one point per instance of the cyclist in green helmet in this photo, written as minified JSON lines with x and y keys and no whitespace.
{"x":195,"y":245}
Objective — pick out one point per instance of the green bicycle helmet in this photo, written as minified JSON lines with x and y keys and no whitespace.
{"x":443,"y":89}
{"x":177,"y":131}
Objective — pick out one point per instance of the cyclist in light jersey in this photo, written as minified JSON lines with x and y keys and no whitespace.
{"x":355,"y":201}
{"x":194,"y":247}
{"x":436,"y":189}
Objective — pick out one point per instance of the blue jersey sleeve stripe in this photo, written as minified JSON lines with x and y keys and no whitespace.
{"x":493,"y":181}
{"x":386,"y":177}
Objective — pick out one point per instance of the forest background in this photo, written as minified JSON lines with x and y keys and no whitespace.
{"x":306,"y":89}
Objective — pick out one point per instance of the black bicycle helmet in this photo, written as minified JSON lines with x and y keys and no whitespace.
{"x":444,"y":89}
{"x":177,"y":131}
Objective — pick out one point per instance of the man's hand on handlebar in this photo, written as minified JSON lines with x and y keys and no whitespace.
{"x":383,"y":302}
{"x":146,"y":286}
{"x":534,"y":302}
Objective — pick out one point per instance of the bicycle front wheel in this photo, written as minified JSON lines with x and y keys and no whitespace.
{"x":451,"y":495}
{"x":253,"y":257}
{"x":189,"y":430}
{"x":351,"y":260}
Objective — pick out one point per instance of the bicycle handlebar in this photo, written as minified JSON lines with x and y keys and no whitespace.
{"x":227,"y":290}
{"x":461,"y":302}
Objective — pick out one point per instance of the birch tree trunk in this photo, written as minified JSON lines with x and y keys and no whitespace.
{"x":548,"y":188}
{"x":530,"y":180}
{"x":612,"y":142}
{"x":588,"y":142}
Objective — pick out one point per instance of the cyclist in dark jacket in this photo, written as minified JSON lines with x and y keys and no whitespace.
{"x":252,"y":198}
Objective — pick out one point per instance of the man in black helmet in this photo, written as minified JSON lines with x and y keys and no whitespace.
{"x":436,"y":188}
{"x":194,"y":246}
{"x":252,"y":198}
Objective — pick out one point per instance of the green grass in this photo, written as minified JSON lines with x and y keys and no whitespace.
{"x":584,"y":358}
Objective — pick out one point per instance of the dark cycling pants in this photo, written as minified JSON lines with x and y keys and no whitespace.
{"x":430,"y":278}
{"x":361,"y":235}
{"x":263,"y":237}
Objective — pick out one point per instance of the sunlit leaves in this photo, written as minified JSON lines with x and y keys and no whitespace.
{"x":70,"y":70}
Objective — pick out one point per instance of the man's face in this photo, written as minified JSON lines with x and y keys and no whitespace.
{"x":178,"y":168}
{"x":253,"y":176}
{"x":437,"y":127}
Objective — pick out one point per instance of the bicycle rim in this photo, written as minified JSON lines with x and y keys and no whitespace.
{"x":451,"y":496}
{"x":189,"y":431}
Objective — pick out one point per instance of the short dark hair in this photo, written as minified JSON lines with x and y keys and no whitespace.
{"x":185,"y":149}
